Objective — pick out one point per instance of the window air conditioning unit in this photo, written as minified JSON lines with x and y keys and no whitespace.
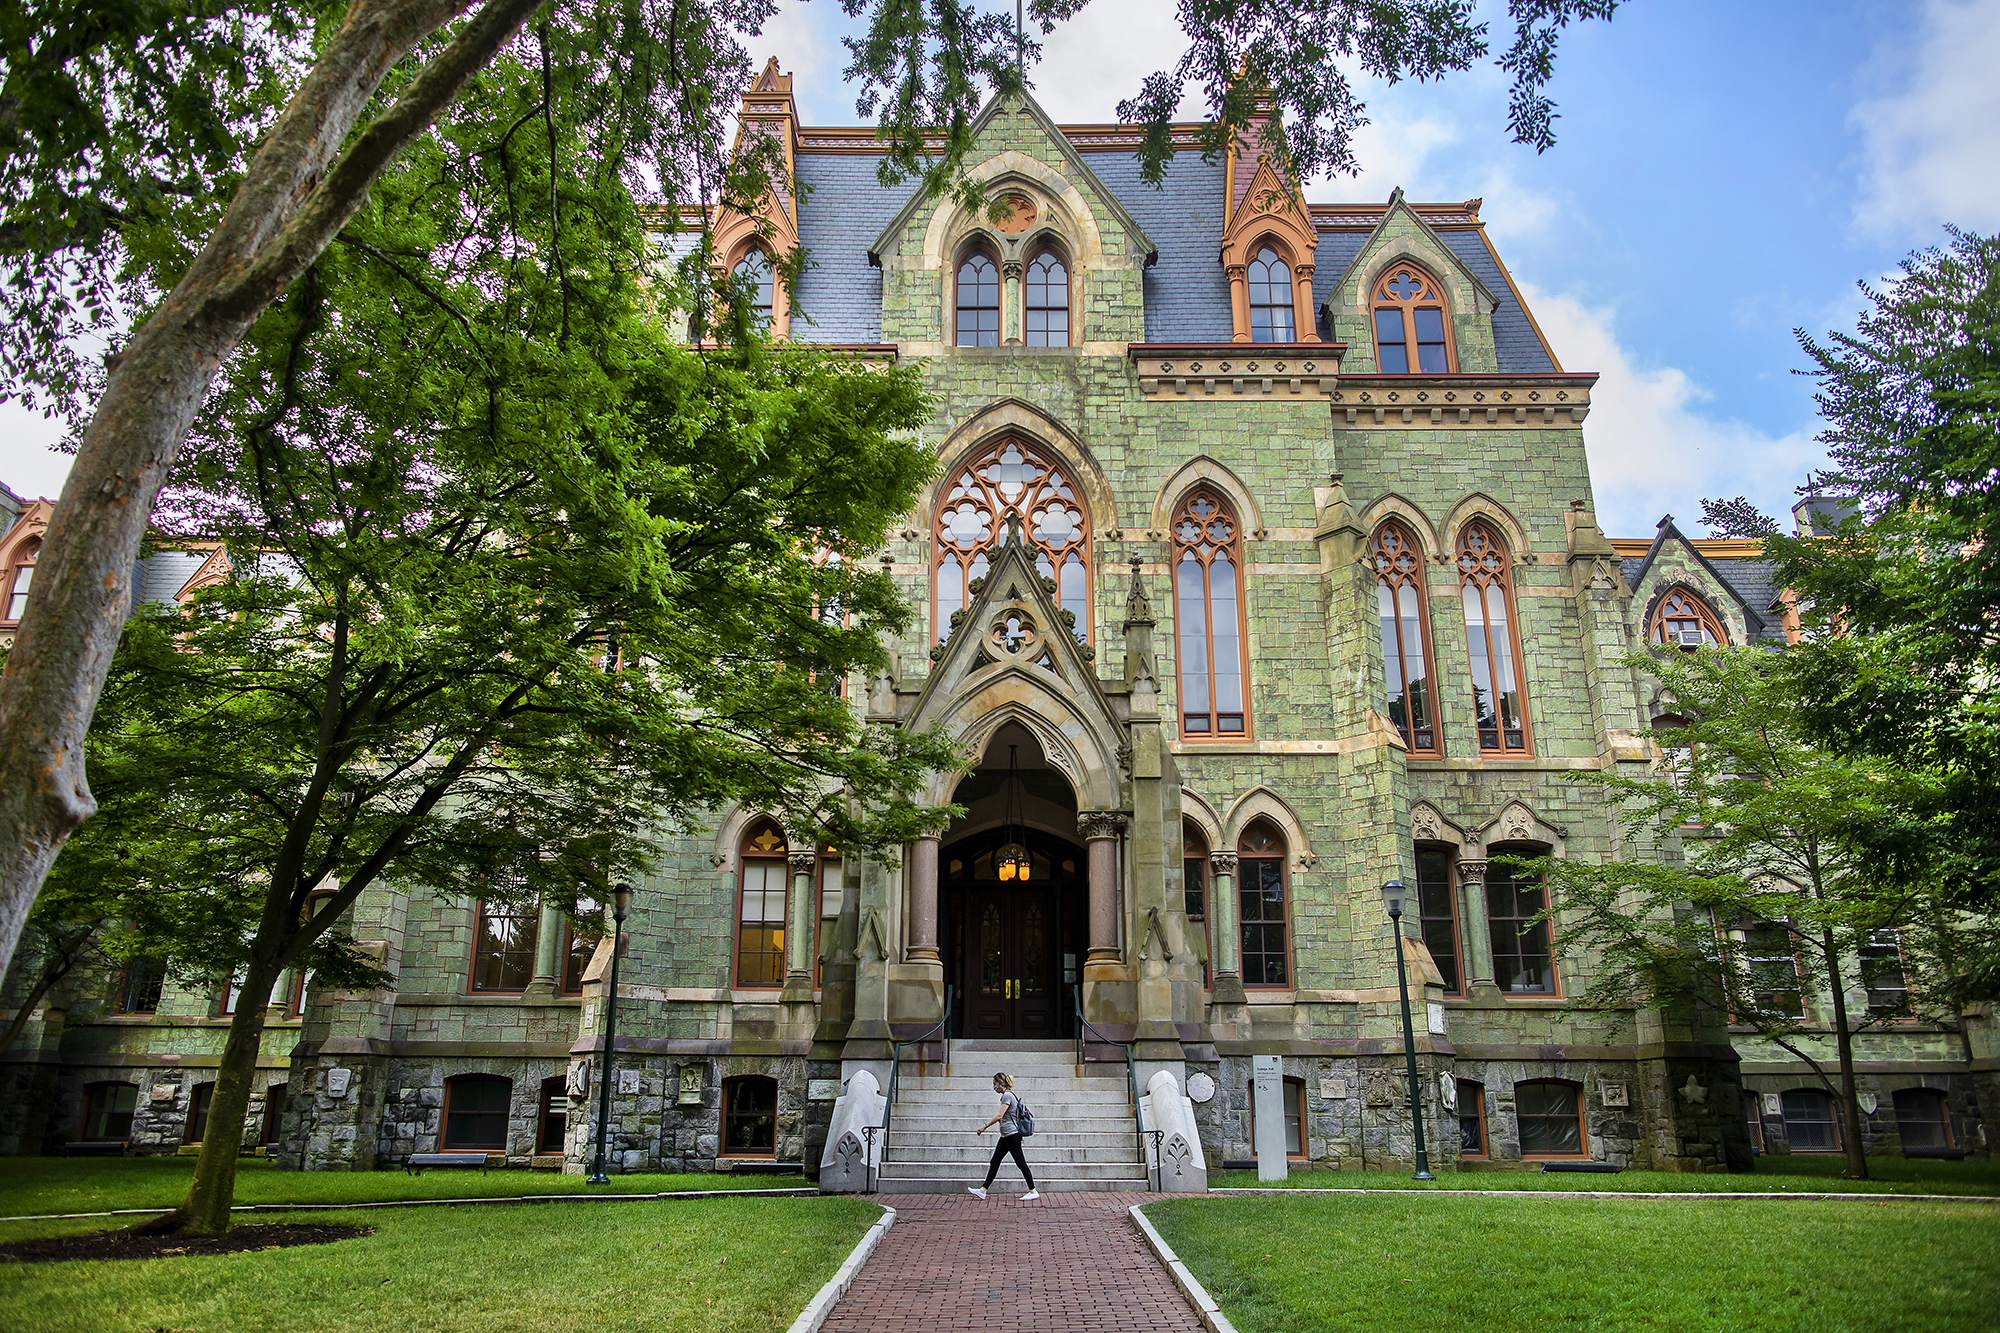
{"x":1690,"y":638}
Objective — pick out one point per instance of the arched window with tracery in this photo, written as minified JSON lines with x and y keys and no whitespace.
{"x":760,"y":915}
{"x":1499,"y":709}
{"x":1406,"y":637}
{"x":754,"y":271}
{"x":1208,"y":616}
{"x":1412,"y":335}
{"x":1010,"y":478}
{"x":1270,"y":298}
{"x":978,"y":300}
{"x":1682,"y":620}
{"x":1046,"y":301}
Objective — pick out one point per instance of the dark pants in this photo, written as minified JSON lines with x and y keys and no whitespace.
{"x":1010,"y":1144}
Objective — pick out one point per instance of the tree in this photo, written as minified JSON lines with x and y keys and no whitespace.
{"x":1736,"y":517}
{"x":257,"y":134}
{"x":1772,"y":902}
{"x":519,"y":587}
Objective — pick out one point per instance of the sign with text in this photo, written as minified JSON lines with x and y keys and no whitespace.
{"x":1267,"y":1085}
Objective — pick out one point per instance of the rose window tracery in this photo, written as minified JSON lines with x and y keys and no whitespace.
{"x":1010,"y":479}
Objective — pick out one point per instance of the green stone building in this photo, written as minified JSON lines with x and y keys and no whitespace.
{"x":1262,"y":571}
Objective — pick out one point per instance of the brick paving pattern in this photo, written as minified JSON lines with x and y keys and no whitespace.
{"x":1064,"y":1262}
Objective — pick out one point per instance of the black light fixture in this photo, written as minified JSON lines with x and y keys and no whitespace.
{"x":621,"y":907}
{"x":1394,"y":895}
{"x":1012,"y":861}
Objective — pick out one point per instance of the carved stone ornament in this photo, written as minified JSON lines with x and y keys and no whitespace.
{"x":337,"y":1081}
{"x":690,"y":1089}
{"x":1614,"y":1094}
{"x":628,"y":1082}
{"x":1380,"y":1087}
{"x":1869,"y":1102}
{"x":1425,"y":825}
{"x":1125,"y":759}
{"x":1471,"y":872}
{"x":1095,"y":824}
{"x":1692,"y":1092}
{"x":802,"y":863}
{"x":576,"y":1079}
{"x":1305,"y":861}
{"x":1200,"y":1088}
{"x":1518,"y":824}
{"x":165,"y":1092}
{"x":1222,"y":863}
{"x":1333,"y":1089}
{"x":1448,"y":1091}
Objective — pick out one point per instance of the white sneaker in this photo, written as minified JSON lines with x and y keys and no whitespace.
{"x":1031,"y":1194}
{"x":975,"y":1191}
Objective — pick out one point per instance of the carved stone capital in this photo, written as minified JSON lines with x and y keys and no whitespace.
{"x":1095,"y":824}
{"x":803,"y":862}
{"x":1222,"y":863}
{"x":1471,"y":872}
{"x":1237,"y":272}
{"x":1011,"y":269}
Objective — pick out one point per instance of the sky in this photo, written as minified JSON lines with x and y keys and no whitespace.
{"x":1724,"y":174}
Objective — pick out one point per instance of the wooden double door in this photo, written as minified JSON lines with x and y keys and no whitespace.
{"x":1013,"y":977}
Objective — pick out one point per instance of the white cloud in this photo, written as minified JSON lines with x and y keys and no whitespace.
{"x":29,"y":465}
{"x":1100,"y":57}
{"x":1652,"y":450}
{"x":1932,"y":148}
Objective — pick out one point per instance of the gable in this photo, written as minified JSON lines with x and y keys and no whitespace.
{"x":1673,"y":561}
{"x":1400,"y":235}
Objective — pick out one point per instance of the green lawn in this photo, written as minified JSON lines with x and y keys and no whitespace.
{"x":668,"y":1267}
{"x":1791,"y":1175}
{"x":33,"y":1185}
{"x":1381,"y":1264}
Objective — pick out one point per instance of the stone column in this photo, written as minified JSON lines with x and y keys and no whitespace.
{"x":1303,"y":314}
{"x":799,"y":923}
{"x":1239,"y":301}
{"x":1013,"y":309}
{"x":924,"y":899}
{"x":548,"y":947}
{"x":1472,"y":919}
{"x":1101,"y":829}
{"x":1226,"y":944}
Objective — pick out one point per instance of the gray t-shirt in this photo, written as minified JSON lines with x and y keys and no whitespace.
{"x":1008,"y":1123}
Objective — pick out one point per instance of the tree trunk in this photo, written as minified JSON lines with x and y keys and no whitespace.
{"x":210,"y":1195}
{"x":293,"y":200}
{"x":1850,"y":1100}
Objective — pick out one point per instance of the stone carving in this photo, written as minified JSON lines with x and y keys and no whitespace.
{"x":1095,"y":824}
{"x":1125,"y":760}
{"x":1518,"y":824}
{"x":803,"y":862}
{"x":1380,"y":1087}
{"x":165,"y":1092}
{"x":1426,"y":825}
{"x":847,"y":1153}
{"x":1436,"y":1016}
{"x":628,"y":1082}
{"x":1774,"y":1104}
{"x":1614,"y":1094}
{"x":1448,"y":1091}
{"x":1693,"y":1093}
{"x":718,"y":859}
{"x":1305,"y":861}
{"x":872,"y":944}
{"x":1333,"y":1089}
{"x":822,"y":1089}
{"x":1155,"y":931}
{"x":1222,"y":863}
{"x":691,"y":1077}
{"x":1869,"y":1102}
{"x":576,"y":1079}
{"x":337,"y":1081}
{"x":1471,"y":872}
{"x":1200,"y":1087}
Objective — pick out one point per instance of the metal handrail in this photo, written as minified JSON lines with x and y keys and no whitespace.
{"x":895,"y":1074}
{"x":1131,"y":1073}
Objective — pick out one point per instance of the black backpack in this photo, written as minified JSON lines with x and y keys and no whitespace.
{"x":1024,"y":1119}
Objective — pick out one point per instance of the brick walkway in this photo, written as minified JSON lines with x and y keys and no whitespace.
{"x":1070,"y":1261}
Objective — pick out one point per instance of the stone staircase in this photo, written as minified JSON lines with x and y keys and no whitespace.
{"x":1085,"y":1132}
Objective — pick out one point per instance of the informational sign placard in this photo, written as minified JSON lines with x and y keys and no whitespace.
{"x":1267,"y":1081}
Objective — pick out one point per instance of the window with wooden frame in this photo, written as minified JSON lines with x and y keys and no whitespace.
{"x":760,"y":912}
{"x":1406,"y":639}
{"x":829,"y":610}
{"x":274,"y":1114}
{"x":755,"y":274}
{"x":1682,"y":620}
{"x":197,"y":1116}
{"x":1412,"y":329}
{"x":1922,"y":1118}
{"x":1437,"y":913}
{"x":316,"y":902}
{"x":1471,"y":1119}
{"x":1011,"y":477}
{"x":1753,"y":1119}
{"x":1549,"y":1112}
{"x":228,"y":993}
{"x":579,"y":946}
{"x":503,"y":948}
{"x":1810,"y":1123}
{"x":832,"y":889}
{"x":978,"y":323}
{"x":1045,"y":301}
{"x":1262,"y":921}
{"x":749,"y":1117}
{"x":552,"y":1119}
{"x":1486,"y":584}
{"x":1194,"y":886}
{"x":107,"y":1112}
{"x":1295,"y":1118}
{"x":1208,"y":618}
{"x":140,"y":986}
{"x":1768,"y":968}
{"x":1522,"y":962}
{"x":1271,"y":315}
{"x":1882,"y":975}
{"x":476,"y":1110}
{"x":22,"y":575}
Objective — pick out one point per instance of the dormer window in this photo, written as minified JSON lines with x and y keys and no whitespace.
{"x":979,"y":301}
{"x":754,"y":270}
{"x":1410,"y":324}
{"x":1681,"y":621}
{"x":17,"y":589}
{"x":1047,"y":302}
{"x":1270,"y":298}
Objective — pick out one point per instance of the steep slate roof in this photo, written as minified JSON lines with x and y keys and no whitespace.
{"x":1515,"y":342}
{"x":1187,"y":293}
{"x":163,"y":574}
{"x":843,"y":212}
{"x":1755,"y":595}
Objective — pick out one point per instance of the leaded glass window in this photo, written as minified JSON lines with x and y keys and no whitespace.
{"x":1406,"y":637}
{"x":1499,"y":708}
{"x":1270,"y":279}
{"x":978,"y":301}
{"x":1010,"y":478}
{"x":1208,"y":616}
{"x":1046,"y":302}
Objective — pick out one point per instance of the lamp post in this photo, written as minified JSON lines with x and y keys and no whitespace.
{"x":1392,"y":896}
{"x":621,"y":905}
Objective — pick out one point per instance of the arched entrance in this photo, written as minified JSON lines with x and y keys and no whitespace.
{"x":1011,"y":944}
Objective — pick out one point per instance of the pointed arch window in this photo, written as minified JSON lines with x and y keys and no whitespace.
{"x":760,"y":916}
{"x":978,"y":300}
{"x":1412,"y":334}
{"x":754,"y":271}
{"x":1011,"y":478}
{"x":1208,"y":616}
{"x":22,"y":575}
{"x":1499,"y":708}
{"x":1406,"y":638}
{"x":1046,"y":303}
{"x":1262,"y":920}
{"x":1270,"y":298}
{"x":1682,"y":620}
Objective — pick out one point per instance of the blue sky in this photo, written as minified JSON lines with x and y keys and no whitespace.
{"x":1724,"y":174}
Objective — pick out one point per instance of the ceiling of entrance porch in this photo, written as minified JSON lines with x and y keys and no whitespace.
{"x":1047,"y":802}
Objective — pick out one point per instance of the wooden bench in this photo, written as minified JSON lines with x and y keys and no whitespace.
{"x":419,"y":1160}
{"x":1937,"y":1154}
{"x":95,"y":1148}
{"x":1593,"y":1168}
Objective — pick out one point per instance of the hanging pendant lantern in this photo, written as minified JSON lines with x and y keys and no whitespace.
{"x":1012,"y":861}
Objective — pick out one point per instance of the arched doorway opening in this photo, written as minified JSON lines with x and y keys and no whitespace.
{"x":1011,"y":944}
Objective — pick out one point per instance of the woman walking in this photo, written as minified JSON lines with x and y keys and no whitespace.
{"x":1009,"y":1120}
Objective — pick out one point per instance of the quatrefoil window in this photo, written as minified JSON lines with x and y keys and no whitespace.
{"x":1013,"y":632}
